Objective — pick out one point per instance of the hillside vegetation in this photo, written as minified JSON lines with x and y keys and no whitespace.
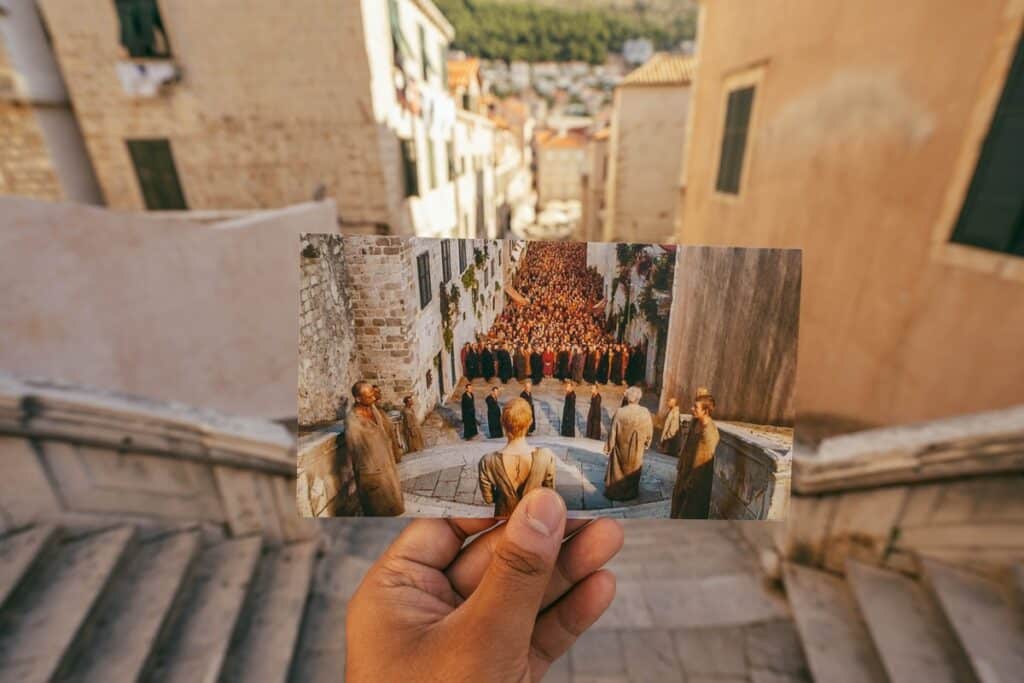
{"x":566,"y":30}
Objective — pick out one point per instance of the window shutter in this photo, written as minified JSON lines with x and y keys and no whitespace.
{"x":734,"y":139}
{"x":157,"y":175}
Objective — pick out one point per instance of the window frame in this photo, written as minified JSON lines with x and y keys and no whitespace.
{"x":149,"y":193}
{"x":463,"y":261}
{"x":992,"y":83}
{"x":423,"y":279}
{"x":737,"y":80}
{"x":446,"y":261}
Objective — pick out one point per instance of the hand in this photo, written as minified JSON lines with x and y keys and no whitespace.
{"x":502,"y":608}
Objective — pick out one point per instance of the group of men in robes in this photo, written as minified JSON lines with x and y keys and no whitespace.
{"x":595,"y":364}
{"x":374,"y":448}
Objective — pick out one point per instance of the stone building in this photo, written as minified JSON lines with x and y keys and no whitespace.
{"x":472,"y":169}
{"x":646,"y":150}
{"x":893,"y":162}
{"x":42,"y":154}
{"x":409,"y":305}
{"x":560,"y":162}
{"x":215,"y":105}
{"x":594,"y":182}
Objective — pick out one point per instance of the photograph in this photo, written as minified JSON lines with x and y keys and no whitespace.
{"x":636,"y":380}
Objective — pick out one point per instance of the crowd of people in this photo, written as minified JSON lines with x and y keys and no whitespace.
{"x":557,"y":330}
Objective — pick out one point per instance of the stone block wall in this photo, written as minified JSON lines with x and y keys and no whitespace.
{"x":326,"y":333}
{"x":752,"y":481}
{"x":25,"y":166}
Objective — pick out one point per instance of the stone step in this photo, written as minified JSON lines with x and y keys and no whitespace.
{"x":138,"y":606}
{"x":196,"y":643}
{"x":906,"y":626}
{"x":835,"y":638}
{"x":46,"y":612}
{"x":265,"y":639}
{"x":19,"y":552}
{"x":981,"y":614}
{"x":1017,"y":578}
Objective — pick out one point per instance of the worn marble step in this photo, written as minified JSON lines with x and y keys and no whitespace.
{"x":46,"y":612}
{"x":137,"y":607}
{"x":835,"y":638}
{"x":268,"y":629}
{"x":19,"y":552}
{"x":982,"y":615}
{"x":193,"y":648}
{"x":906,"y":626}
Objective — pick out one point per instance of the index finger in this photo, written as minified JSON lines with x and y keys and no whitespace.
{"x":436,"y":543}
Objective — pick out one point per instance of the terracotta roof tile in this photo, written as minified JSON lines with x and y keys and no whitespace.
{"x":663,"y":69}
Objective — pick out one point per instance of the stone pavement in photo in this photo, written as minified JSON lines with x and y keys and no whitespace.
{"x":443,"y":480}
{"x":690,"y":606}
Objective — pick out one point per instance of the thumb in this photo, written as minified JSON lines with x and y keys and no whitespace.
{"x":509,"y":595}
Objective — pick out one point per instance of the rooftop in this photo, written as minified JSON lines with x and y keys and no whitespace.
{"x":461,"y":72}
{"x":663,"y":69}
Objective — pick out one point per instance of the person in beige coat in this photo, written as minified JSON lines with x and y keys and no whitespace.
{"x":411,"y":427}
{"x":369,"y":447}
{"x":695,"y":475}
{"x":670,"y":433}
{"x":630,"y":435}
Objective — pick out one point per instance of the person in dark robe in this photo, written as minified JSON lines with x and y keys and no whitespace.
{"x":536,"y":366}
{"x":494,"y":415}
{"x":527,"y":395}
{"x":603,"y":365}
{"x":462,"y":357}
{"x":635,"y":369}
{"x":505,"y":370}
{"x":369,"y":449}
{"x":506,"y":476}
{"x":590,"y":366}
{"x":579,"y":359}
{"x":594,"y":414}
{"x":562,"y":366}
{"x":472,"y":363}
{"x":549,"y":362}
{"x":615,"y":375}
{"x":487,"y":364}
{"x":568,"y":426}
{"x":695,"y":469}
{"x":630,"y":435}
{"x":520,"y":360}
{"x":469,"y":428}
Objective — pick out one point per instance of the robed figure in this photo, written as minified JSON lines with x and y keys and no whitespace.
{"x":469,"y":428}
{"x":487,"y":363}
{"x":615,"y":375}
{"x":548,"y":358}
{"x":568,"y":427}
{"x":695,"y":473}
{"x":493,"y":417}
{"x":472,"y":364}
{"x":630,"y":435}
{"x":602,"y":366}
{"x":594,"y":415}
{"x":669,"y":442}
{"x":373,"y":463}
{"x":520,"y":363}
{"x":579,"y":358}
{"x":536,"y":367}
{"x":635,"y":366}
{"x":590,"y":366}
{"x":411,"y":427}
{"x":562,"y":364}
{"x":506,"y":476}
{"x":392,"y":431}
{"x":505,"y":370}
{"x":528,"y":397}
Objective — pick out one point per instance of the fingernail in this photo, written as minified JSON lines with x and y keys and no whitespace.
{"x":544,"y":511}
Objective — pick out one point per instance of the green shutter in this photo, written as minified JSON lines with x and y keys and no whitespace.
{"x":157,"y":175}
{"x":734,"y":139}
{"x":412,"y":182}
{"x":992,"y":216}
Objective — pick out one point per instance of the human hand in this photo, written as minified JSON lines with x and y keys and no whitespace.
{"x":502,"y":608}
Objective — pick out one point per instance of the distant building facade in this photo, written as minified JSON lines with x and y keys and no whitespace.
{"x":560,"y":163}
{"x":42,"y":154}
{"x":894,"y":163}
{"x":594,"y":182}
{"x":647,"y":150}
{"x":197,"y":105}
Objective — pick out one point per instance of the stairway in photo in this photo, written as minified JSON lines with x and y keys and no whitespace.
{"x":121,"y":559}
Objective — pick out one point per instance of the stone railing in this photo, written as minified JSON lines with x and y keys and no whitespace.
{"x":752,"y":476}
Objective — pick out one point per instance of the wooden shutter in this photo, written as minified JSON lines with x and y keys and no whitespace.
{"x":412,"y":181}
{"x":423,"y":273}
{"x":157,"y":175}
{"x":992,"y":216}
{"x":446,"y":261}
{"x":734,"y":139}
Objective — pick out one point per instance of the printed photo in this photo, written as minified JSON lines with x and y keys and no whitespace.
{"x":448,"y":378}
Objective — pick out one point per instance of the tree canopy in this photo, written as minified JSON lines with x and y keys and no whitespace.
{"x":514,"y":31}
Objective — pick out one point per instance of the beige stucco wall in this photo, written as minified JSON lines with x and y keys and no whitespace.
{"x":647,"y":150}
{"x":155,"y":306}
{"x":558,"y":173}
{"x":857,"y":132}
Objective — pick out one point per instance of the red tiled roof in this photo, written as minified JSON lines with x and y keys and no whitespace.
{"x":663,"y":69}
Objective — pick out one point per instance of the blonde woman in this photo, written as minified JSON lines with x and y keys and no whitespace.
{"x":506,"y":476}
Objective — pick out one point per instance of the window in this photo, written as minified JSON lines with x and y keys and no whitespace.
{"x":432,"y":162}
{"x":450,"y":149}
{"x":462,"y":256}
{"x":158,"y":177}
{"x":734,"y":139}
{"x":423,"y":273}
{"x":412,"y":182}
{"x":142,"y":29}
{"x":992,"y":216}
{"x":446,"y":261}
{"x":424,"y":59}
